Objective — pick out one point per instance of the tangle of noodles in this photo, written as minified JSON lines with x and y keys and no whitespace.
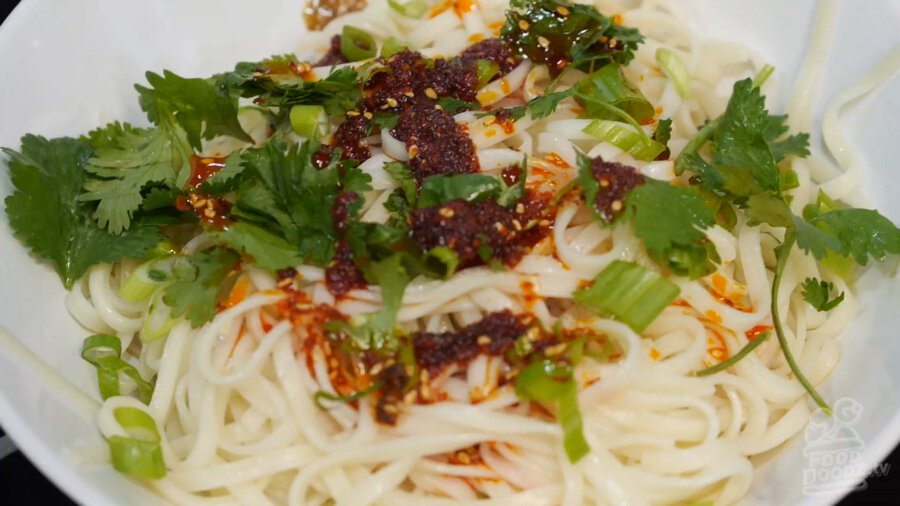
{"x":234,"y":399}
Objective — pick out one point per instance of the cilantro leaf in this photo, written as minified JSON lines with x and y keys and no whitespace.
{"x":284,"y":191}
{"x":667,"y":216}
{"x":378,"y":330}
{"x":227,"y":178}
{"x":560,"y":33}
{"x":202,"y":107}
{"x":126,"y":161}
{"x":267,"y":250}
{"x":46,"y":215}
{"x":797,"y":145}
{"x":663,"y":131}
{"x":741,"y":142}
{"x":279,"y":82}
{"x":818,"y":294}
{"x":858,"y":233}
{"x":195,"y":291}
{"x":453,"y":106}
{"x":439,"y":189}
{"x":545,"y":105}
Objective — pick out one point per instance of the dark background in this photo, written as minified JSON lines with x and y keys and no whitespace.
{"x":23,"y":485}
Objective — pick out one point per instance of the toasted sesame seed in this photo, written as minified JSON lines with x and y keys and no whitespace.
{"x":413,"y":151}
{"x":544,"y":223}
{"x":424,"y":376}
{"x":198,"y":203}
{"x":562,"y":11}
{"x":533,"y":334}
{"x":409,"y":94}
{"x":543,"y":41}
{"x":523,"y":24}
{"x":410,"y":397}
{"x":499,"y":226}
{"x":391,"y":102}
{"x":430,"y":93}
{"x":517,"y":224}
{"x":438,"y":107}
{"x":555,"y":350}
{"x":285,"y":282}
{"x":390,"y":408}
{"x":209,"y":213}
{"x":463,"y":458}
{"x":604,"y":182}
{"x":483,"y":340}
{"x":446,"y":212}
{"x":352,"y":113}
{"x":613,"y":42}
{"x":368,"y":115}
{"x":520,"y":208}
{"x":377,"y":368}
{"x":616,"y":205}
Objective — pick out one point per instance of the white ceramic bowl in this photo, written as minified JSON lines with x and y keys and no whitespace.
{"x":69,"y":66}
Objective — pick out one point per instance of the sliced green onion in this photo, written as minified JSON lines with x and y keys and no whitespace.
{"x":357,"y":44}
{"x":486,"y":70}
{"x":393,"y":46}
{"x":626,"y":138}
{"x":763,"y":75}
{"x":163,"y":249}
{"x":411,"y":9}
{"x":674,"y":68}
{"x":104,"y":351}
{"x":140,"y":454}
{"x":309,"y":121}
{"x":443,"y":259}
{"x":629,"y":292}
{"x":789,"y":180}
{"x":158,"y":322}
{"x":737,"y":357}
{"x":547,"y":382}
{"x":144,"y":281}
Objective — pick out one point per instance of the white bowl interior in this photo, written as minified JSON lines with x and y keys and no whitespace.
{"x":70,"y":66}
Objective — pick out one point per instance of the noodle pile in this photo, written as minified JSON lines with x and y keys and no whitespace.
{"x":234,"y":400}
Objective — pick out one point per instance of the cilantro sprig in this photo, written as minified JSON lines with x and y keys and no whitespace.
{"x":46,"y":214}
{"x":746,"y":146}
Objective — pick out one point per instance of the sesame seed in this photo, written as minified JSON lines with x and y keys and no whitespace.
{"x":391,"y":102}
{"x":543,"y":41}
{"x":352,"y":113}
{"x":562,"y":11}
{"x":410,"y":397}
{"x":555,"y":350}
{"x":438,"y":107}
{"x":368,"y":115}
{"x":483,"y":340}
{"x":520,"y":208}
{"x":390,"y":408}
{"x":613,"y":42}
{"x":499,"y":226}
{"x":604,"y":182}
{"x":517,"y":224}
{"x":616,"y":205}
{"x":284,"y":282}
{"x":198,"y":203}
{"x":533,"y":334}
{"x":409,"y":94}
{"x":463,"y":458}
{"x":424,"y":376}
{"x":446,"y":212}
{"x":544,"y":223}
{"x":413,"y":151}
{"x":430,"y":93}
{"x":377,"y":368}
{"x":209,"y":213}
{"x":523,"y":24}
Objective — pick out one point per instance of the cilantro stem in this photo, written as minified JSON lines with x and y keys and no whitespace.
{"x":737,"y":357}
{"x":704,"y":134}
{"x":782,"y":254}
